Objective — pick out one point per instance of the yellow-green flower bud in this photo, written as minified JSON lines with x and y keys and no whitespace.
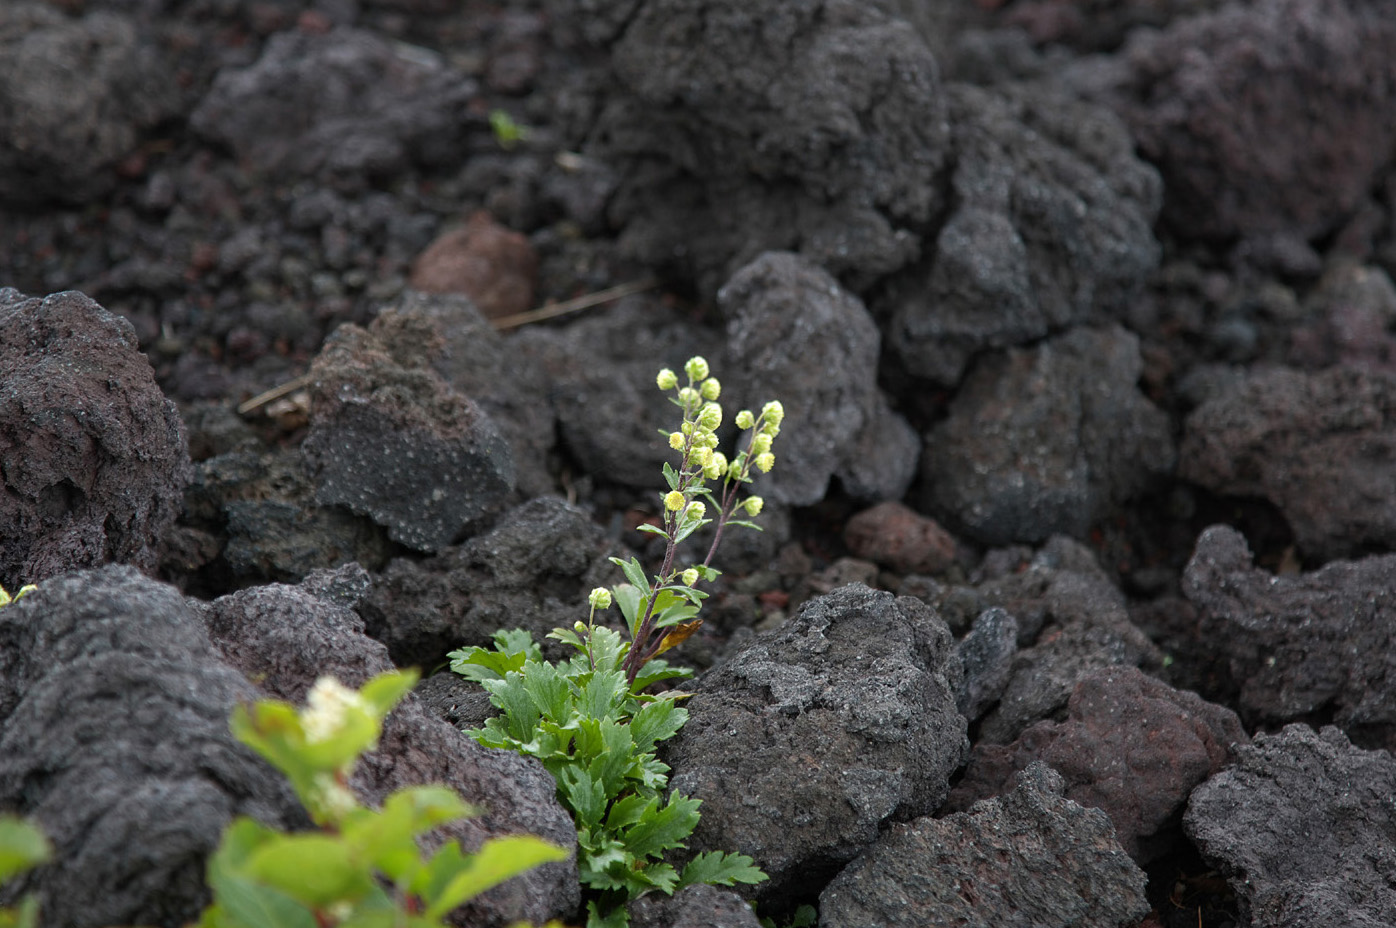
{"x":761,"y":443}
{"x":753,"y":505}
{"x":690,"y":399}
{"x":710,"y":388}
{"x":774,"y":412}
{"x":690,"y":576}
{"x":745,"y":419}
{"x":696,"y":511}
{"x":667,"y":379}
{"x":710,"y":416}
{"x":579,"y":627}
{"x":764,"y":462}
{"x":696,"y":368}
{"x":674,"y":501}
{"x":716,"y":466}
{"x":600,"y":598}
{"x":700,"y":455}
{"x":676,"y":441}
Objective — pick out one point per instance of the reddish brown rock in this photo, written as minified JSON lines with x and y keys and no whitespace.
{"x":1131,"y":745}
{"x":901,"y":539}
{"x":487,"y":262}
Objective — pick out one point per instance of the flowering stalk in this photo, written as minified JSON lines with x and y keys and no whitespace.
{"x":684,"y":509}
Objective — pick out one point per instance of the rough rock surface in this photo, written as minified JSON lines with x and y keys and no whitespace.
{"x":1320,"y":446}
{"x":1304,"y":828}
{"x":1052,"y":227}
{"x":94,"y":456}
{"x":986,"y":661}
{"x":286,"y":637}
{"x":795,"y":335}
{"x":1319,"y":644}
{"x":1311,"y":84}
{"x":344,"y":106}
{"x":76,"y":96}
{"x":805,"y":742}
{"x":389,"y":438}
{"x":1046,"y":440}
{"x":824,"y":119}
{"x":1139,"y":773}
{"x":1031,"y":857}
{"x":900,"y":539}
{"x":533,"y":570}
{"x":98,"y":669}
{"x":493,"y":265}
{"x":698,"y":906}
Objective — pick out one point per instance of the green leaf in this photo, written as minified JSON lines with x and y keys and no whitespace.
{"x":241,"y":901}
{"x":22,"y":846}
{"x":634,"y":573}
{"x":670,"y":477}
{"x":617,"y":917}
{"x":688,"y":527}
{"x":608,"y":648}
{"x":721,"y":869}
{"x":498,"y":859}
{"x":386,"y":690}
{"x":652,"y":529}
{"x":656,"y":721}
{"x":664,"y":828}
{"x":745,"y":524}
{"x":583,"y":795}
{"x":632,"y":605}
{"x":628,"y":810}
{"x":313,"y":868}
{"x":656,"y":670}
{"x":568,"y":636}
{"x":520,"y":711}
{"x":550,"y":691}
{"x":604,"y":696}
{"x":512,"y":648}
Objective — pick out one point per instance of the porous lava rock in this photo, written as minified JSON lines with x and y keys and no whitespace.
{"x":1301,"y":645}
{"x":287,"y":637}
{"x":342,"y":106}
{"x":77,"y":94}
{"x":1318,"y":445}
{"x":1130,"y":745}
{"x":1051,"y":227}
{"x":94,"y":455}
{"x":533,"y":570}
{"x":490,"y":263}
{"x":1031,"y":857}
{"x":1304,"y":828}
{"x":805,"y":742}
{"x":391,"y":439}
{"x":1046,"y":440}
{"x":900,"y":539}
{"x":697,"y":906}
{"x":1265,"y":119}
{"x":985,"y":655}
{"x":824,"y":119}
{"x":795,"y":335}
{"x":114,"y":739}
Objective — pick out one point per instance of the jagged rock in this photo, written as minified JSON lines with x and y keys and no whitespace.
{"x":94,"y":456}
{"x":1047,"y":440}
{"x":795,"y":335}
{"x":389,"y":437}
{"x":533,"y":570}
{"x":1028,"y":858}
{"x":1052,"y":227}
{"x":806,"y":741}
{"x":986,"y":659}
{"x":1300,"y":645}
{"x":1320,"y":446}
{"x":697,"y":906}
{"x":1130,"y":745}
{"x":1304,"y":829}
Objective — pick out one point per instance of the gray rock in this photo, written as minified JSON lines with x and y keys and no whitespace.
{"x":76,"y":95}
{"x":1027,"y":859}
{"x":389,"y":438}
{"x":343,"y":106}
{"x":795,"y":335}
{"x":1052,"y":227}
{"x":1304,"y":829}
{"x":806,"y":741}
{"x":822,"y":121}
{"x":698,"y":906}
{"x":1047,"y":440}
{"x":1300,"y":645}
{"x":1130,"y":745}
{"x":95,"y":457}
{"x":114,"y":738}
{"x":986,"y":655}
{"x":1320,"y":446}
{"x":533,"y":570}
{"x":286,"y":637}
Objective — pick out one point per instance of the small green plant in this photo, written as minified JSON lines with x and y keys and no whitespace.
{"x":363,"y":867}
{"x":507,"y":132}
{"x":592,"y":719}
{"x":6,"y":598}
{"x":22,"y":847}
